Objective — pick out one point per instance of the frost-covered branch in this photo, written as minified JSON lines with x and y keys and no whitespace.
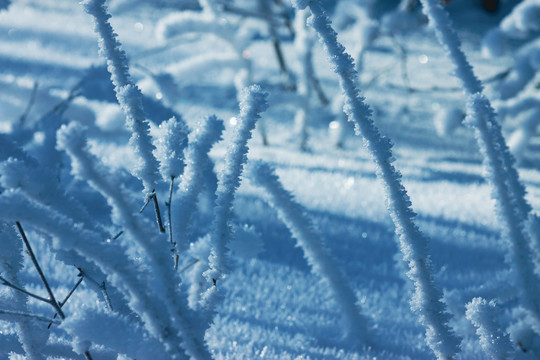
{"x":493,"y":340}
{"x":253,"y":102}
{"x":165,"y":285}
{"x":128,"y":95}
{"x":169,"y":151}
{"x":197,"y":163}
{"x":112,"y":260}
{"x":315,"y":252}
{"x":511,"y":205}
{"x":427,"y":299}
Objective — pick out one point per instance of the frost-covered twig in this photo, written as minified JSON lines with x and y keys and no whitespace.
{"x":511,"y":205}
{"x":197,"y":163}
{"x":494,"y":342}
{"x":70,"y":236}
{"x":128,"y":95}
{"x":253,"y":102}
{"x":169,"y":151}
{"x":427,"y":300}
{"x":85,"y":166}
{"x":315,"y":252}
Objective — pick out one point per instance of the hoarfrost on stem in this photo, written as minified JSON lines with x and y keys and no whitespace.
{"x":315,"y":252}
{"x":427,"y":299}
{"x":253,"y":102}
{"x":128,"y":95}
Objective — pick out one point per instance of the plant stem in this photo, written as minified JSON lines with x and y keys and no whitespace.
{"x":52,"y":299}
{"x":15,"y":287}
{"x":169,"y":215}
{"x":63,"y":302}
{"x":27,"y":315}
{"x":153,"y":197}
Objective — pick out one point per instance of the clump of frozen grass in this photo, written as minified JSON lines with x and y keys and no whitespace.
{"x":511,"y":205}
{"x":165,"y":283}
{"x":493,"y":340}
{"x":128,"y":95}
{"x":315,"y":252}
{"x":427,"y":299}
{"x":253,"y":102}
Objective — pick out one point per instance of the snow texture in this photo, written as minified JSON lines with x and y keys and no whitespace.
{"x":315,"y":252}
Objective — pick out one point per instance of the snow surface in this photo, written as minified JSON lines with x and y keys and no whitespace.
{"x":273,"y":306}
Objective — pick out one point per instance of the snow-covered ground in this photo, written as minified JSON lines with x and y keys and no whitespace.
{"x":274,"y":306}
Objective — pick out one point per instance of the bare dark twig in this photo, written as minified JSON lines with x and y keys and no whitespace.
{"x":265,"y":8}
{"x":63,"y":302}
{"x":169,"y":224}
{"x":153,"y":197}
{"x":31,"y":102}
{"x":189,"y":265}
{"x":319,"y":90}
{"x":403,"y":62}
{"x":27,"y":315}
{"x":100,"y":285}
{"x":52,"y":299}
{"x":15,"y":287}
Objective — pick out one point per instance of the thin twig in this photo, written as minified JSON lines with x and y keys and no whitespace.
{"x":148,"y":198}
{"x":103,"y":288}
{"x":265,"y":7}
{"x":52,"y":299}
{"x":62,"y":105}
{"x":168,"y":204}
{"x":31,"y":102}
{"x":100,"y":285}
{"x":15,"y":287}
{"x":117,"y":235}
{"x":319,"y":90}
{"x":286,"y":18}
{"x":189,"y":265}
{"x":153,"y":197}
{"x":169,"y":215}
{"x":28,"y":315}
{"x":63,"y":302}
{"x":158,"y":214}
{"x":403,"y":62}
